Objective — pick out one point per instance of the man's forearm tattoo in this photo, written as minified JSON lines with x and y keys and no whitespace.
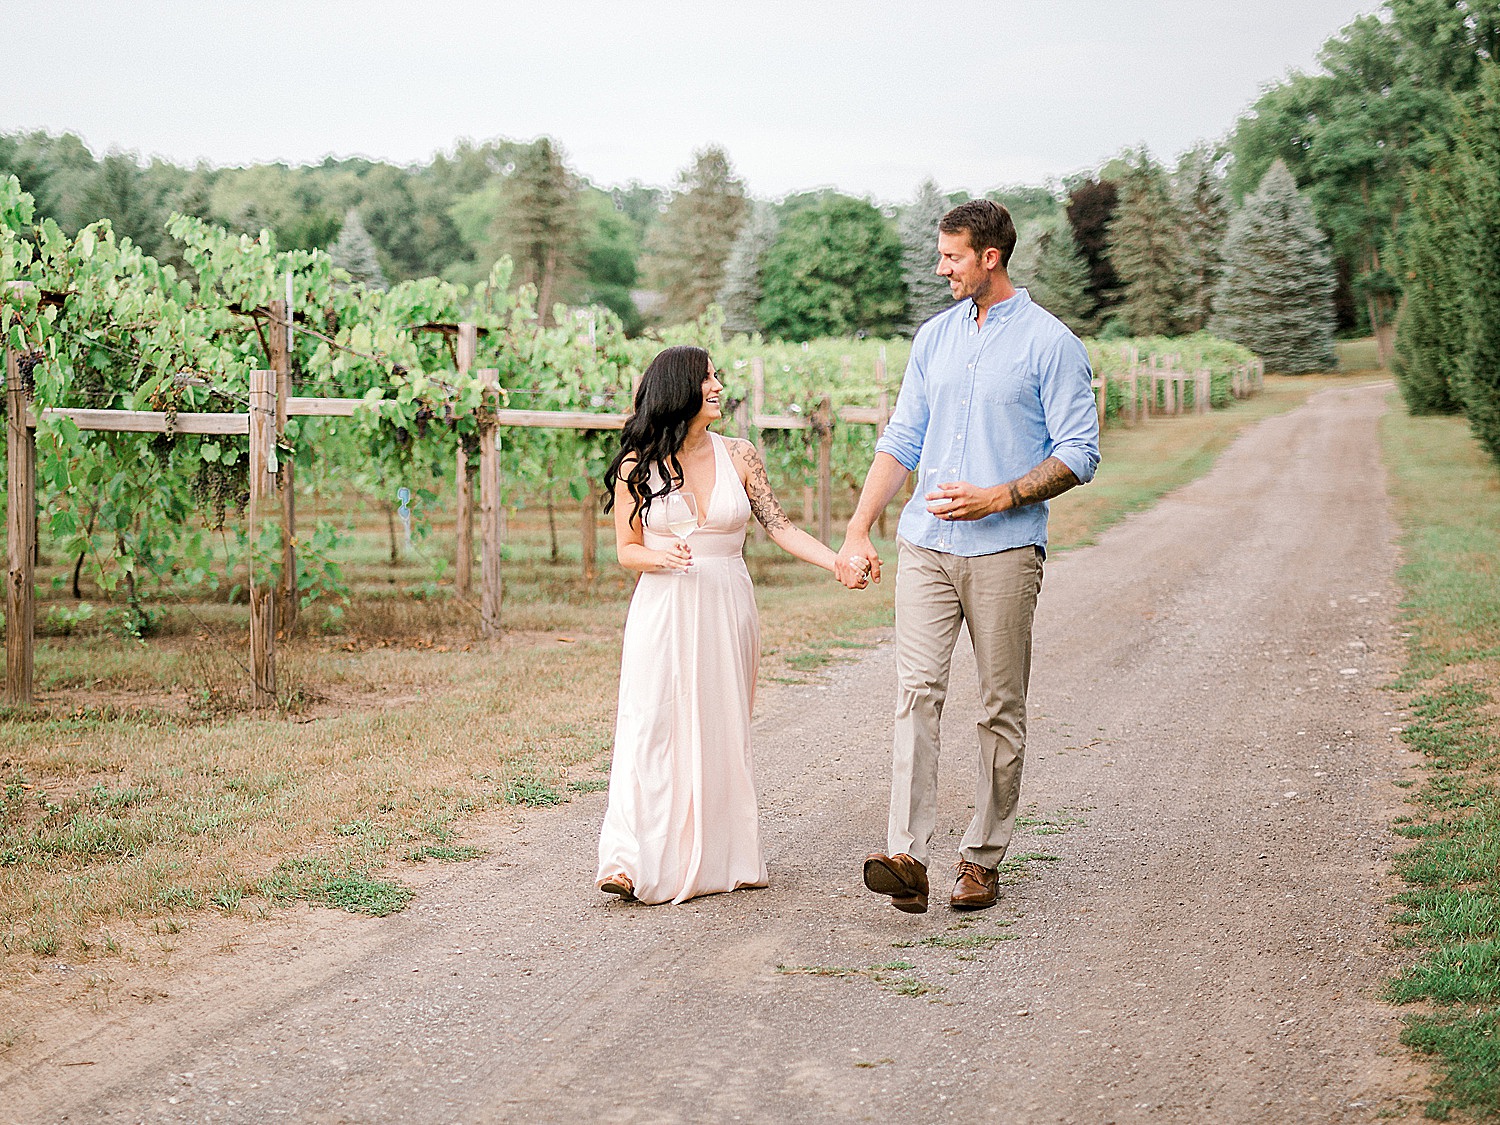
{"x":1050,"y":478}
{"x":758,"y":488}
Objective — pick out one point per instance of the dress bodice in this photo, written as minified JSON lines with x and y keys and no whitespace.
{"x":721,"y":529}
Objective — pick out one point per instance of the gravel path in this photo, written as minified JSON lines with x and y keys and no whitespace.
{"x":1194,"y":930}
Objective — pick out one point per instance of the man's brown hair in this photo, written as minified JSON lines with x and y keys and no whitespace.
{"x":987,"y":223}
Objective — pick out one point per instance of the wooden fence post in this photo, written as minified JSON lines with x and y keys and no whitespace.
{"x":489,"y":514}
{"x":823,"y":427}
{"x":261,"y":508}
{"x":20,"y":530}
{"x":883,"y":401}
{"x":287,"y":595}
{"x":757,"y":408}
{"x":589,"y":525}
{"x":463,"y":575}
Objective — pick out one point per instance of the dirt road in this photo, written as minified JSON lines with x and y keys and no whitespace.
{"x":1198,"y":935}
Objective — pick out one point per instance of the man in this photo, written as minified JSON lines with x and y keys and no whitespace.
{"x":996,"y":406}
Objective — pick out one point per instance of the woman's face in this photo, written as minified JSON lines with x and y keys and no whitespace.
{"x":711,"y":411}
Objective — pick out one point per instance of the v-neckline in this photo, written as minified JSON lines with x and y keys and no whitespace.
{"x":705,"y":507}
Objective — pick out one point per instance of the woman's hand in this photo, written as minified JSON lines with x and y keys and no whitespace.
{"x":852,"y":570}
{"x":678,"y":557}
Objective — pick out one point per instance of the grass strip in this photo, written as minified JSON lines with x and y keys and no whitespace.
{"x":1448,"y":501}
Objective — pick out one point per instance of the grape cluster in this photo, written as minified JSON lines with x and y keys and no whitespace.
{"x":218,"y":487}
{"x":423,"y":416}
{"x":26,"y":364}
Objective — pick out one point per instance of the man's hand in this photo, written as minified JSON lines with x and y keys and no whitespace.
{"x":857,"y":549}
{"x":960,"y":500}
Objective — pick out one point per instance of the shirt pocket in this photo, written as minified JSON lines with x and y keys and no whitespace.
{"x":1003,"y":384}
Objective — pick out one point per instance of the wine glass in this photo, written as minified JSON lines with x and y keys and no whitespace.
{"x":682,"y":515}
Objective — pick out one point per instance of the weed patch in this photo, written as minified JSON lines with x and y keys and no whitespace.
{"x":893,"y":976}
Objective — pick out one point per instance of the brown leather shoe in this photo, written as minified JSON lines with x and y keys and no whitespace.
{"x":618,"y":885}
{"x":899,"y":876}
{"x":977,"y":887}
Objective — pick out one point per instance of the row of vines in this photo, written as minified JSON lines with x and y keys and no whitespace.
{"x":99,"y":324}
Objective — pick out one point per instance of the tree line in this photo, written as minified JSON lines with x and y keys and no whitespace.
{"x":1131,"y":249}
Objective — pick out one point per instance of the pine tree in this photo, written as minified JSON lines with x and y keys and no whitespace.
{"x":1149,"y":251}
{"x":354,"y":253}
{"x":539,"y":221}
{"x":1478,"y":174}
{"x":1430,"y":330}
{"x":688,"y":247}
{"x":741,"y":291}
{"x":1276,"y":294}
{"x":1091,"y":205}
{"x":927,"y":294}
{"x":1198,"y":189}
{"x":1060,"y":278}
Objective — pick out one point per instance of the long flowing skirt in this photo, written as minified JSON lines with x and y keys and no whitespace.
{"x":682,"y":818}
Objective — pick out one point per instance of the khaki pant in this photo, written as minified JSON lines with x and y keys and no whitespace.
{"x":936,"y":593}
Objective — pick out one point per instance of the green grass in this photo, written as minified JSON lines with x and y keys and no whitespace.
{"x":893,"y":976}
{"x":1448,"y":500}
{"x":445,"y":853}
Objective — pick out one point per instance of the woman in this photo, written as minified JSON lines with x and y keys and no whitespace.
{"x":682,"y":816}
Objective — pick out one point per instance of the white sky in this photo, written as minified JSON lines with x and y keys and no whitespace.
{"x":870,"y":96}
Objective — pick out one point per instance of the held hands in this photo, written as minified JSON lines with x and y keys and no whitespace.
{"x":858,"y":563}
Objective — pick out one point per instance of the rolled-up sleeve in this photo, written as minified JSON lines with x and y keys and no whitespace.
{"x":1069,"y":408}
{"x":907,"y":428}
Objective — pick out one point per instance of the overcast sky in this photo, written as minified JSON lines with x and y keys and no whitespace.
{"x":870,"y":96}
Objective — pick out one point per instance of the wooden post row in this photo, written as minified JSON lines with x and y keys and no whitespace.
{"x":20,"y":530}
{"x":261,"y":509}
{"x":463,"y":580}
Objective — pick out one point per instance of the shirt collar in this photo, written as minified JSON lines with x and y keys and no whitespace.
{"x":1001,"y":311}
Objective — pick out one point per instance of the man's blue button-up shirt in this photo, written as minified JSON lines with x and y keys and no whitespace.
{"x":988,"y":405}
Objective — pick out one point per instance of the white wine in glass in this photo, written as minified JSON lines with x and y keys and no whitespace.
{"x":682,"y":515}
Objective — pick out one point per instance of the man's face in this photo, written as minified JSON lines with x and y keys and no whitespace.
{"x":964,"y":269}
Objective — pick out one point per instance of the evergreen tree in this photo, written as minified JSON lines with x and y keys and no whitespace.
{"x":539,"y":220}
{"x":1059,"y":280}
{"x":927,"y":294}
{"x":1148,"y":250}
{"x":1478,"y":176}
{"x":741,"y":291}
{"x":1091,"y":205}
{"x":354,"y":253}
{"x":1198,"y":189}
{"x":1430,"y":330}
{"x":834,"y":270}
{"x":687,"y":249}
{"x":1276,"y":294}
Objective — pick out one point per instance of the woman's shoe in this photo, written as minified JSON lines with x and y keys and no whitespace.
{"x":618,"y":885}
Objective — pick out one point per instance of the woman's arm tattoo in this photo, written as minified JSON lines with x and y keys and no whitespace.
{"x":758,"y":488}
{"x":1050,"y":478}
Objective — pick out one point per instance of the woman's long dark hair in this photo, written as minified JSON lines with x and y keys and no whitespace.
{"x":666,"y":402}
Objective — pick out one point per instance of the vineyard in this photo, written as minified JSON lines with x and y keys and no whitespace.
{"x":150,"y":481}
